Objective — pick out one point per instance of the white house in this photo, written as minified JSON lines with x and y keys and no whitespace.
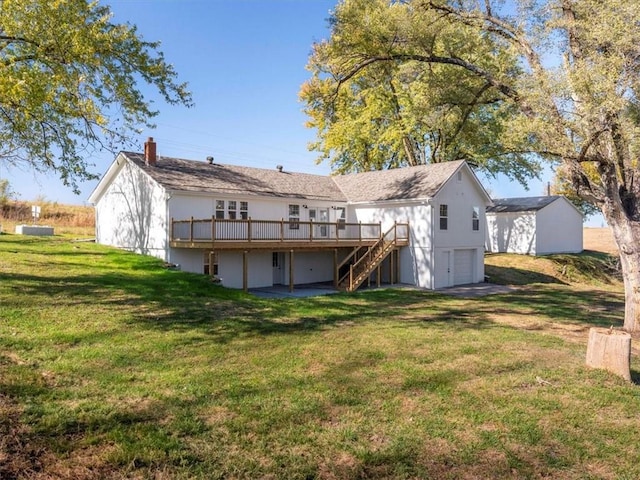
{"x":253,"y":227}
{"x":534,"y":226}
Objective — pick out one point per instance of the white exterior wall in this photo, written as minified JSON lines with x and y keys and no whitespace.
{"x":511,"y":232}
{"x":429,"y":261}
{"x":132,"y":213}
{"x":184,"y":206}
{"x":559,"y":228}
{"x":556,"y":228}
{"x":309,"y":267}
{"x":415,"y":260}
{"x":461,"y":194}
{"x":189,"y":260}
{"x":258,"y":266}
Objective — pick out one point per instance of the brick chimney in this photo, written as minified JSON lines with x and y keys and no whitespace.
{"x":150,"y":156}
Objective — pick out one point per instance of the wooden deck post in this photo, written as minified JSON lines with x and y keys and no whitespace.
{"x":282,"y":229}
{"x":291,"y":270}
{"x":392,"y":266}
{"x":249,"y":230}
{"x":378,"y":273}
{"x":191,"y":230}
{"x":351,"y":277}
{"x":213,"y":228}
{"x":245,"y":270}
{"x":336,"y":273}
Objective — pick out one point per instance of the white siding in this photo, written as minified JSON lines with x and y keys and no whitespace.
{"x":184,"y":206}
{"x":416,"y":259}
{"x":556,"y":228}
{"x":511,"y":232}
{"x":559,"y":228}
{"x":461,"y":194}
{"x":421,"y":262}
{"x":189,"y":260}
{"x":132,"y":213}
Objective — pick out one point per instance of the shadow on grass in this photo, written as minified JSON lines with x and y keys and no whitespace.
{"x":169,"y":300}
{"x":157,"y":298}
{"x":589,"y":307}
{"x":517,"y":276}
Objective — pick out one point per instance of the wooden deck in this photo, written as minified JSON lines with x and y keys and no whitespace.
{"x":224,"y":234}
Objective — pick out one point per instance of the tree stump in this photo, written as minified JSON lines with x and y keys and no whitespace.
{"x":611,"y":350}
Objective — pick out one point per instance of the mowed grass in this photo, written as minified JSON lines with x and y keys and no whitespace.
{"x":113,"y":367}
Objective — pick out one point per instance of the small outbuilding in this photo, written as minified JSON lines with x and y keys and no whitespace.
{"x":534,"y":226}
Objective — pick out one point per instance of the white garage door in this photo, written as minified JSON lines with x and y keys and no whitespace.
{"x":463,"y":266}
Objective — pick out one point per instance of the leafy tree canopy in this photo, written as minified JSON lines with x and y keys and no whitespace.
{"x":387,"y":90}
{"x":506,"y":84}
{"x":68,"y":84}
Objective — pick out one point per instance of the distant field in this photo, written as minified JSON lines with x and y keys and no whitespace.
{"x":77,"y":220}
{"x":599,"y":240}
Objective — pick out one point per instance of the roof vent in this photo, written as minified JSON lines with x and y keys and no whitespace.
{"x":279,"y":167}
{"x":210,"y":160}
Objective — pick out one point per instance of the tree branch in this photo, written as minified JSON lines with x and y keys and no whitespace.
{"x":506,"y":90}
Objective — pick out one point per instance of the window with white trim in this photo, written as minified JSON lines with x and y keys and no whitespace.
{"x":342,"y":218}
{"x":294,"y":217}
{"x":475,"y":219}
{"x":444,"y":217}
{"x":219,"y":209}
{"x":231,"y":209}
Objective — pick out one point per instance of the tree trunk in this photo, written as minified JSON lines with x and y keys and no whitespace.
{"x":627,"y":236}
{"x":611,"y":350}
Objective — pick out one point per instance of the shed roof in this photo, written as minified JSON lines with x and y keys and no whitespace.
{"x":521,"y":204}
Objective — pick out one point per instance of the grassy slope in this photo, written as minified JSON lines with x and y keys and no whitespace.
{"x":111,"y":367}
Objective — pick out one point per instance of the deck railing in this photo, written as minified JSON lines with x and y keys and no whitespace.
{"x":213,"y":230}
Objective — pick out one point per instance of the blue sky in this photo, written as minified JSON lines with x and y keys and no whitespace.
{"x":244,"y":61}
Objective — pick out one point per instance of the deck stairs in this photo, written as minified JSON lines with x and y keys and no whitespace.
{"x":361,"y":269}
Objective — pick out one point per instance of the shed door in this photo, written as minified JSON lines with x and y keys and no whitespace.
{"x":463,"y":266}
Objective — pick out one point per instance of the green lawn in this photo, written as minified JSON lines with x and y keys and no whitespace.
{"x":113,"y":367}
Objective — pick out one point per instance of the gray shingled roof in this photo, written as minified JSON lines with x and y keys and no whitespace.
{"x":422,"y":181}
{"x":195,"y":176}
{"x":198,"y":176}
{"x":521,"y":204}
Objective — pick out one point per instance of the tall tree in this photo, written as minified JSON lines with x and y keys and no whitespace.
{"x":69,"y":82}
{"x":374,"y":112}
{"x":556,"y":78}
